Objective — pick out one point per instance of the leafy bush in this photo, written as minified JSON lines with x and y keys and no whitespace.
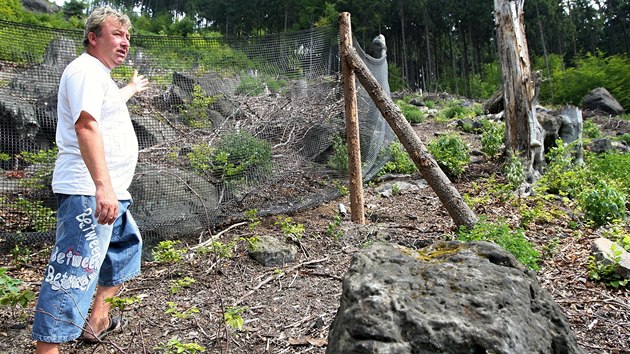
{"x":606,"y":271}
{"x":624,"y":138}
{"x":590,"y":71}
{"x":399,"y":162}
{"x":562,"y":176}
{"x":237,"y":154}
{"x":492,"y":138}
{"x":410,"y":112}
{"x":513,"y":241}
{"x":612,"y":166}
{"x":251,"y":86}
{"x":195,"y":113}
{"x":456,"y":110}
{"x":616,"y":233}
{"x":339,"y":159}
{"x":175,"y":346}
{"x":513,"y":169}
{"x":591,"y":130}
{"x":451,"y":153}
{"x":167,"y":252}
{"x":485,"y":86}
{"x":603,"y":203}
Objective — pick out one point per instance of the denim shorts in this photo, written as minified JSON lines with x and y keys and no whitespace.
{"x":85,"y":253}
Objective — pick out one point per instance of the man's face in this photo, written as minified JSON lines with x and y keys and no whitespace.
{"x":112,"y":45}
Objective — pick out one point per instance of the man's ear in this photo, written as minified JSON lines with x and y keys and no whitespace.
{"x":92,"y":38}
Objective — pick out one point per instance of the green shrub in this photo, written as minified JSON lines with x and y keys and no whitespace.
{"x":455,"y":110}
{"x":175,"y":346}
{"x":591,"y":130}
{"x":168,"y":252}
{"x":513,"y":169}
{"x":612,"y":166}
{"x":452,"y":111}
{"x":513,"y":241}
{"x":400,"y":162}
{"x":562,"y":176}
{"x":603,"y":203}
{"x":624,"y":138}
{"x":236,"y":156}
{"x":410,"y":112}
{"x":251,"y":86}
{"x":484,"y":86}
{"x":616,"y":233}
{"x":339,"y":159}
{"x":607,"y":271}
{"x":451,"y":153}
{"x":195,"y":114}
{"x":492,"y":138}
{"x":589,"y":72}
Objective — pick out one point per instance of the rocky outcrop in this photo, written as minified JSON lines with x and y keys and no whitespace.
{"x":447,"y":298}
{"x":600,"y":100}
{"x":180,"y":209}
{"x":40,"y":6}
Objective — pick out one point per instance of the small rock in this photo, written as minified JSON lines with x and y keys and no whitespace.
{"x":271,"y":252}
{"x":602,"y":251}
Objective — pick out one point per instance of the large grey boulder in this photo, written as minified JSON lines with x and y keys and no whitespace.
{"x":170,"y":202}
{"x":40,"y":6}
{"x":446,"y":298}
{"x":601,"y":100}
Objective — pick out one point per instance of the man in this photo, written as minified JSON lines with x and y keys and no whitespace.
{"x":97,"y":240}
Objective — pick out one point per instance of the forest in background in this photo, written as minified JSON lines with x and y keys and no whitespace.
{"x":447,"y":45}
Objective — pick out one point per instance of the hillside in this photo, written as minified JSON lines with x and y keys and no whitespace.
{"x":289,"y":309}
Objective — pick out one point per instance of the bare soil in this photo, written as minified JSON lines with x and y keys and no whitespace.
{"x":289,"y":309}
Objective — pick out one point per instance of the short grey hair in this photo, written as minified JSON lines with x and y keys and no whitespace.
{"x":94,"y":23}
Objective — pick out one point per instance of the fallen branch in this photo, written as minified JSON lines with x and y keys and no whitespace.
{"x":276,"y":276}
{"x":217,"y":235}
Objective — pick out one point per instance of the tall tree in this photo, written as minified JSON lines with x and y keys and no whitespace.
{"x":522,"y":127}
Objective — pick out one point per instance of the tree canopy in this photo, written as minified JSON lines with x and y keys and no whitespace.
{"x":436,"y":45}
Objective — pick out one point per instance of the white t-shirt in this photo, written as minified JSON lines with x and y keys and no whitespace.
{"x":86,"y":85}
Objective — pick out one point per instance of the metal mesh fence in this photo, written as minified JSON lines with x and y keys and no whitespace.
{"x":229,"y":125}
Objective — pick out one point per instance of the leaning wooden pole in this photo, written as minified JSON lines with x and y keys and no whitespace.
{"x":352,"y":125}
{"x":459,"y":211}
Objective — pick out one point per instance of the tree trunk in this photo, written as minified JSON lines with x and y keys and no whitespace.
{"x":352,"y":124}
{"x":405,"y":71}
{"x":523,"y":132}
{"x":545,"y":54}
{"x":453,"y":62}
{"x":435,"y":177}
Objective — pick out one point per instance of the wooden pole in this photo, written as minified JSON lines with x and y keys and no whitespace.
{"x":428,"y":167}
{"x":352,"y":123}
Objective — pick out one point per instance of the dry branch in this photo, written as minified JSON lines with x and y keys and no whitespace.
{"x":428,"y":167}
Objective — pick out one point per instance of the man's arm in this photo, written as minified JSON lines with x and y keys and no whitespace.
{"x":138,"y":83}
{"x":93,"y":153}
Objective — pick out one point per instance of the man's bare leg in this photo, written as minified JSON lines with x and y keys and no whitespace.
{"x":47,"y":348}
{"x":99,"y":318}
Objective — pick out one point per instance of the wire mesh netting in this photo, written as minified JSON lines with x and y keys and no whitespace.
{"x":229,"y":125}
